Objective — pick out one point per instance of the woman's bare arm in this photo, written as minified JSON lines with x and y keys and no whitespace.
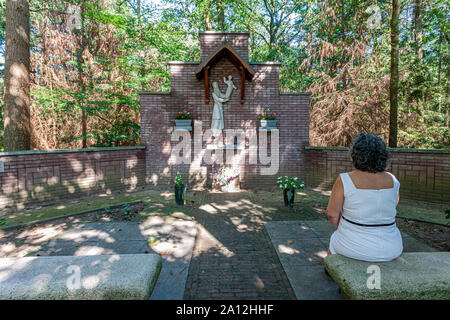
{"x":336,"y":202}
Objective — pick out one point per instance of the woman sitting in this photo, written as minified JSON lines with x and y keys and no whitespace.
{"x":363,"y":205}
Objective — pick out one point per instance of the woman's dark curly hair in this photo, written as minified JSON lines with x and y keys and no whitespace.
{"x":369,"y":153}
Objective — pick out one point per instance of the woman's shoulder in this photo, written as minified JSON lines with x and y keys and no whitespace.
{"x":394,"y":178}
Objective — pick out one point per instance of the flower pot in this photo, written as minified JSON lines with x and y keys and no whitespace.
{"x":184,"y":124}
{"x":269,"y":124}
{"x":289,"y":195}
{"x":180,"y":192}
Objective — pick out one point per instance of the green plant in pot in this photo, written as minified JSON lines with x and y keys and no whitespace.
{"x":289,"y":186}
{"x":180,"y":190}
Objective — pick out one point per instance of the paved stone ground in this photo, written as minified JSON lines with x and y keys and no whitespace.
{"x":233,"y":257}
{"x":175,"y":241}
{"x":301,"y":247}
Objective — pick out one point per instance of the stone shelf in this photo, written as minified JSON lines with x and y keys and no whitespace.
{"x":182,"y":128}
{"x":267,"y":129}
{"x":225,"y":147}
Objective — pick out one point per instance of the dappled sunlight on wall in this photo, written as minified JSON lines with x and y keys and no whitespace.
{"x":45,"y":177}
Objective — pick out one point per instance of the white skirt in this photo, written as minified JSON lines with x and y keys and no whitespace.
{"x":373,"y":244}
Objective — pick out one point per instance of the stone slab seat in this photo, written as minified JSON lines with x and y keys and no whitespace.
{"x":413,"y":275}
{"x":102,"y":277}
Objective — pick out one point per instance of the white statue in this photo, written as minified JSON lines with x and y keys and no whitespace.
{"x":219,"y":98}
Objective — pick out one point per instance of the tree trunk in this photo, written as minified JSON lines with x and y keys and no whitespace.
{"x":221,"y":15}
{"x":207,"y":13}
{"x":393,"y":86}
{"x":80,"y":70}
{"x":17,"y":124}
{"x":344,"y":80}
{"x":418,"y":29}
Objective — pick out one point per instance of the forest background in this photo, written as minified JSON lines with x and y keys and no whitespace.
{"x":84,"y":79}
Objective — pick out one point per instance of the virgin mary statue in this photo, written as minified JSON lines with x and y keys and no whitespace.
{"x":219,"y":98}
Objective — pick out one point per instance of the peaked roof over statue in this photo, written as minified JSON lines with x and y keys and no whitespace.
{"x":225,"y":50}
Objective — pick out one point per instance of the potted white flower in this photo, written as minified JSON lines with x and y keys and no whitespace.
{"x":289,"y":186}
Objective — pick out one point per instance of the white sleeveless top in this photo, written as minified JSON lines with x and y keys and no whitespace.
{"x":370,"y":207}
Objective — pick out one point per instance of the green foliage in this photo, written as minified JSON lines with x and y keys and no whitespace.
{"x":127,"y":211}
{"x":127,"y":48}
{"x":290,"y":183}
{"x":179,"y":179}
{"x":152,"y":241}
{"x":182,"y":115}
{"x":267,"y":115}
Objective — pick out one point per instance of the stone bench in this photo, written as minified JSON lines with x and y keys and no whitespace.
{"x":102,"y":277}
{"x":414,"y":275}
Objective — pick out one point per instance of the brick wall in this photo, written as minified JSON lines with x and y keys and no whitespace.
{"x":44,"y":177}
{"x":210,"y":40}
{"x":188,"y":93}
{"x":424,"y":175}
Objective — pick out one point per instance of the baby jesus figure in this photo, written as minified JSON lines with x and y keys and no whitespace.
{"x":230,"y":85}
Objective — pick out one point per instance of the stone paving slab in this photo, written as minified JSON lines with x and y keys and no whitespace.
{"x":101,"y":277}
{"x":291,"y":230}
{"x":302,"y":257}
{"x":300,"y":251}
{"x":176,"y":239}
{"x":311,"y":282}
{"x":175,"y":242}
{"x":323,"y":229}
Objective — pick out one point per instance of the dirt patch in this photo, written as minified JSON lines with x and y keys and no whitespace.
{"x":435,"y":235}
{"x":20,"y":241}
{"x":127,"y":212}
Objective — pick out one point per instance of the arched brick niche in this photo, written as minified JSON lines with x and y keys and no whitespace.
{"x":188,"y":93}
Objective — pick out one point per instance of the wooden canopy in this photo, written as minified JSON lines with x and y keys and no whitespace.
{"x":224,"y":51}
